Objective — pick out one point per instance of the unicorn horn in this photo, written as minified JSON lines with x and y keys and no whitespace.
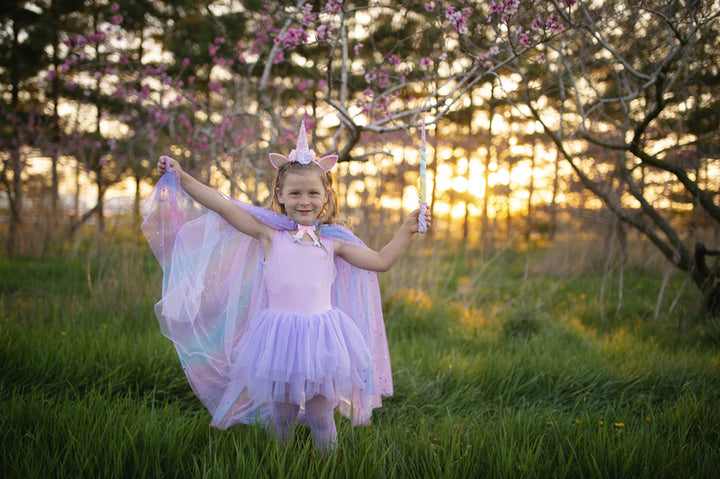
{"x":303,"y":153}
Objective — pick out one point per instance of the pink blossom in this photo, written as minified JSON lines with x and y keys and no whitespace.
{"x":192,"y":79}
{"x":356,"y":48}
{"x":537,"y":24}
{"x":458,"y":19}
{"x":305,"y":84}
{"x":292,"y":38}
{"x":553,"y":23}
{"x":117,"y":19}
{"x":394,"y":60}
{"x":308,"y":17}
{"x":323,"y":31}
{"x":96,"y":37}
{"x":333,"y":6}
{"x":160,"y":117}
{"x":426,"y":61}
{"x":115,"y":7}
{"x":219,"y":40}
{"x":50,"y":75}
{"x":186,"y":62}
{"x":429,"y":7}
{"x":525,"y":38}
{"x":78,"y":40}
{"x":511,"y":6}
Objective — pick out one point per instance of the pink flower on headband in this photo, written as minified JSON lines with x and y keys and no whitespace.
{"x":303,"y":154}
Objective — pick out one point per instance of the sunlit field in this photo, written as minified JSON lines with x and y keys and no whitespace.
{"x":512,"y":362}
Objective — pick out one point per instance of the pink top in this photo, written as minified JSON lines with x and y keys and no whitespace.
{"x":299,"y":275}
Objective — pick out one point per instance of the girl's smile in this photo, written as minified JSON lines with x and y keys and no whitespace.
{"x":303,"y":196}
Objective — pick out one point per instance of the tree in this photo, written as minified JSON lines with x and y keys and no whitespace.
{"x":639,"y":81}
{"x":637,"y":102}
{"x":233,"y":83}
{"x":22,"y":57}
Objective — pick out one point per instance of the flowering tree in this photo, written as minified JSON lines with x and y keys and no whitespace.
{"x":221,"y":85}
{"x":567,"y":64}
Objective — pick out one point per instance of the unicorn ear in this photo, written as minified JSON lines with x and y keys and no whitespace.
{"x":277,"y":160}
{"x":327,"y":163}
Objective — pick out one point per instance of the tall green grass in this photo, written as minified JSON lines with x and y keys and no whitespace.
{"x":502,"y":368}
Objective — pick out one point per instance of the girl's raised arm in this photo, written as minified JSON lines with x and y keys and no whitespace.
{"x":382,"y":260}
{"x":221,"y":204}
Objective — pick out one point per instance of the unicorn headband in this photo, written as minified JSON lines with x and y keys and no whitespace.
{"x":303,"y":155}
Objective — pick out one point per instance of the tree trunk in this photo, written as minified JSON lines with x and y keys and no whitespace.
{"x":485,"y":222}
{"x":100,"y":205}
{"x":77,"y":190}
{"x":531,"y":191}
{"x":15,"y":191}
{"x":434,"y":169}
{"x":553,"y":201}
{"x":707,"y":279}
{"x":15,"y":197}
{"x":138,"y":200}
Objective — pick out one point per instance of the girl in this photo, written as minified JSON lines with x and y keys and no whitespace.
{"x":275,"y":315}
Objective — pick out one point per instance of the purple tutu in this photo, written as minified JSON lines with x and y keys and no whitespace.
{"x":287,"y":357}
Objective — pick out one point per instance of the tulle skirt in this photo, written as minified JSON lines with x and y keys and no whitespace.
{"x":290,"y":357}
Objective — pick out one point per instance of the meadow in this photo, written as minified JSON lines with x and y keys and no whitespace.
{"x":516,"y":362}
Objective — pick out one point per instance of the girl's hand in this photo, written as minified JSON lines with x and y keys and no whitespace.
{"x":166,"y":162}
{"x":411,"y":222}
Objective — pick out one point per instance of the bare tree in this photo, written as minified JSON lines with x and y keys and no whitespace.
{"x":632,"y":79}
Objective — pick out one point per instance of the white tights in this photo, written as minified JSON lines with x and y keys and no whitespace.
{"x":319,"y":416}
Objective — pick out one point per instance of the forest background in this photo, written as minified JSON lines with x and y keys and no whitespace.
{"x":544,"y":119}
{"x":574,"y":177}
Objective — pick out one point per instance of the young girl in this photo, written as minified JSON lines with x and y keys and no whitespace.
{"x":275,"y":315}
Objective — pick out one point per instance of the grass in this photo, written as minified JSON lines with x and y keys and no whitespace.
{"x":501,"y":369}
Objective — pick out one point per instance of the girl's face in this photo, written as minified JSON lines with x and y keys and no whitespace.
{"x":303,"y":196}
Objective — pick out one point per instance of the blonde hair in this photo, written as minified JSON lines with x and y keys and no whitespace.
{"x":330,"y":210}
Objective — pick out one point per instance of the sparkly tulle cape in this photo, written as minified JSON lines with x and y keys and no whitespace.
{"x":212,"y":285}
